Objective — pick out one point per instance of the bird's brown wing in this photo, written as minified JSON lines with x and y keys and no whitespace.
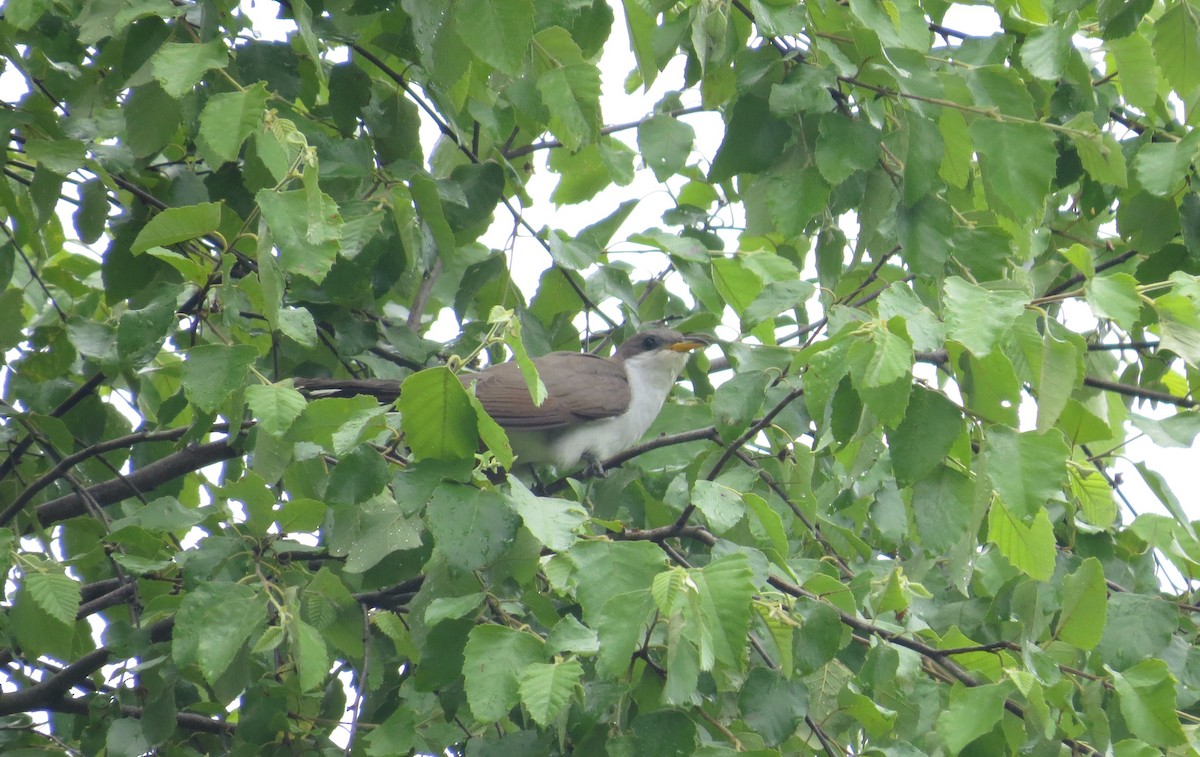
{"x":596,"y":388}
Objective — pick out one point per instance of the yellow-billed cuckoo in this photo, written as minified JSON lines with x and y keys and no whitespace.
{"x":596,"y":407}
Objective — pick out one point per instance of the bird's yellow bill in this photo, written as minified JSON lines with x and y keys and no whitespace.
{"x":687,"y":343}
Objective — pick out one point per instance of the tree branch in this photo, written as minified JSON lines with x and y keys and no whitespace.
{"x":191,"y":458}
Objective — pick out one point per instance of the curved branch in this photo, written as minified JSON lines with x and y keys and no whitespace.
{"x":77,"y":396}
{"x":191,"y":458}
{"x":1138,"y":392}
{"x":43,"y":695}
{"x":940,"y":357}
{"x":190,"y":720}
{"x":663,"y":440}
{"x":100,"y":448}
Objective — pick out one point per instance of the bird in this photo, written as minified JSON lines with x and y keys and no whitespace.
{"x":595,"y":406}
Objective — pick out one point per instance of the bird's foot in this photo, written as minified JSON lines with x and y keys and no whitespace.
{"x":593,"y":467}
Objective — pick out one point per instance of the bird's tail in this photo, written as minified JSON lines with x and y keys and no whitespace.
{"x":384,"y":390}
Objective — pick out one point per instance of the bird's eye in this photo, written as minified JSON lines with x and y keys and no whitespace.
{"x":650,"y":342}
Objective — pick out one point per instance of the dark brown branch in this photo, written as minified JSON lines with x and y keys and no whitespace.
{"x":189,"y":720}
{"x":1078,"y":279}
{"x":663,"y":440}
{"x":1138,"y":392}
{"x":939,"y":357}
{"x":100,"y":448}
{"x":812,"y":527}
{"x":81,"y":392}
{"x":735,"y":447}
{"x":43,"y":695}
{"x":752,"y":431}
{"x":698,"y":533}
{"x":1104,"y":346}
{"x":191,"y":458}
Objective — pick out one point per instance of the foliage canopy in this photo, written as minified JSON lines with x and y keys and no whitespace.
{"x":880,"y":518}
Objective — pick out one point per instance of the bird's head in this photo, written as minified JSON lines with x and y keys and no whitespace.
{"x":660,"y":349}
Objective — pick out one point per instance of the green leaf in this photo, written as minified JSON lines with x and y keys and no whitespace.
{"x":736,"y":402}
{"x":925,"y":153}
{"x":492,"y":434}
{"x":1162,"y":167}
{"x":1026,"y":469}
{"x":175,"y":225}
{"x":179,"y":66}
{"x":959,"y":148}
{"x":55,"y":592}
{"x":1094,"y":496}
{"x":845,"y":145}
{"x":547,"y":688}
{"x":234,"y":608}
{"x":684,"y":248}
{"x":881,"y":370}
{"x":304,"y":248}
{"x":1137,"y":71}
{"x":1115,"y":296}
{"x":795,"y":198}
{"x":773,"y":705}
{"x":227,"y":120}
{"x":359,"y":475}
{"x":569,"y":86}
{"x":382,"y":528}
{"x":737,"y":284}
{"x":977,"y":316}
{"x":878,"y":720}
{"x":1017,"y":162}
{"x":1029,"y":548}
{"x":588,"y":171}
{"x":553,"y":522}
{"x":1084,"y":606}
{"x":931,"y":425}
{"x":665,"y":143}
{"x":471,"y":528}
{"x":126,"y":739}
{"x":1179,"y":325}
{"x":1120,"y":17}
{"x":1046,"y":52}
{"x":605,"y":569}
{"x":1177,"y":48}
{"x":437,"y":416}
{"x":754,"y":140}
{"x":1058,"y":380}
{"x":214,"y":372}
{"x":1099,"y":152}
{"x":1137,"y":627}
{"x":1158,"y":486}
{"x":276,"y":406}
{"x":972,"y":712}
{"x":573,"y":254}
{"x":310,"y":653}
{"x":506,"y":24}
{"x":722,"y":506}
{"x":771,"y":524}
{"x":775,"y":298}
{"x":493,"y":660}
{"x":92,"y":214}
{"x":452,"y":608}
{"x":1146,"y":692}
{"x":725,"y":587}
{"x":301,"y":515}
{"x":1177,"y":430}
{"x":640,"y":25}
